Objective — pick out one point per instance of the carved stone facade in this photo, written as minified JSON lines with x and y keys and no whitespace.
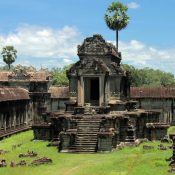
{"x":95,"y":113}
{"x":99,"y":113}
{"x":161,"y":99}
{"x":18,"y":113}
{"x":15,"y":110}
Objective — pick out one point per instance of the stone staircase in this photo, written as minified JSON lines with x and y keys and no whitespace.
{"x":86,"y":140}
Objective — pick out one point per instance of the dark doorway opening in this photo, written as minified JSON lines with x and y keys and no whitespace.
{"x":94,"y":89}
{"x":91,"y":90}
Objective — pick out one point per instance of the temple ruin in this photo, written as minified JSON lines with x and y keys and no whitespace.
{"x":23,"y":98}
{"x":99,"y":113}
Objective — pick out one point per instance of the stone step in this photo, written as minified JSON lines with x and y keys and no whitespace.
{"x":87,"y":131}
{"x":90,"y":121}
{"x":82,"y":151}
{"x":86,"y":141}
{"x":80,"y":148}
{"x":93,"y":121}
{"x":87,"y":127}
{"x":90,"y":118}
{"x":87,"y":138}
{"x":86,"y":145}
{"x":88,"y":124}
{"x":85,"y":148}
{"x":87,"y":134}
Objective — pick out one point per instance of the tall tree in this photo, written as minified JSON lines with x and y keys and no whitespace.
{"x":116,"y":18}
{"x":9,"y":54}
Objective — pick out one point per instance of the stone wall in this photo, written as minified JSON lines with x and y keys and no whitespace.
{"x":164,"y":106}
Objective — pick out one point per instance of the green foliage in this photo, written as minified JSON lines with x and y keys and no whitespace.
{"x":128,"y":161}
{"x":116,"y":17}
{"x":150,"y":77}
{"x":171,"y":130}
{"x":60,"y":77}
{"x":9,"y":55}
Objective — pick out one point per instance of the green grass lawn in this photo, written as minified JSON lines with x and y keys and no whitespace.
{"x":129,"y":161}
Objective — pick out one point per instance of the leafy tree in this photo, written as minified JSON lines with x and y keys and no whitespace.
{"x":150,"y":77}
{"x":60,"y":77}
{"x":116,"y":18}
{"x":9,"y":54}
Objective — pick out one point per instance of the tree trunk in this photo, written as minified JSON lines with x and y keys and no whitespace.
{"x":117,"y":40}
{"x":9,"y":66}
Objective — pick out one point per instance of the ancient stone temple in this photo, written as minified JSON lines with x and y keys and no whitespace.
{"x":99,"y":114}
{"x":14,"y":110}
{"x":23,"y":98}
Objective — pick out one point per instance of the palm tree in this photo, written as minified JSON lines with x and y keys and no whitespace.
{"x":116,"y":18}
{"x":9,"y":55}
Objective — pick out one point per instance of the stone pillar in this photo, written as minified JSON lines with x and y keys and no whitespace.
{"x":1,"y":121}
{"x":107,"y":91}
{"x":101,"y":84}
{"x":80,"y":92}
{"x":19,"y":118}
{"x":26,"y":114}
{"x":172,"y":111}
{"x":10,"y":120}
{"x":14,"y":117}
{"x":5,"y":127}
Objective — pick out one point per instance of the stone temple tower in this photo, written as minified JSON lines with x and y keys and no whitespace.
{"x":97,"y":78}
{"x":99,"y":114}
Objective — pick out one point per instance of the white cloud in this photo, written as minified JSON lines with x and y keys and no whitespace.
{"x":133,"y":5}
{"x":44,"y":42}
{"x":141,"y":55}
{"x":67,"y":60}
{"x":48,"y":47}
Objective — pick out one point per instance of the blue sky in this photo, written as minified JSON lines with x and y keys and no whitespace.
{"x":46,"y":32}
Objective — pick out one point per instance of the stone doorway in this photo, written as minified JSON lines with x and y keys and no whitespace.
{"x":91,"y":90}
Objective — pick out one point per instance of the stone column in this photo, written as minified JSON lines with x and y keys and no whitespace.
{"x":172,"y":111}
{"x":26,"y":114}
{"x":80,"y":92}
{"x":101,"y":84}
{"x":14,"y":117}
{"x":5,"y":127}
{"x":107,"y":90}
{"x":1,"y":121}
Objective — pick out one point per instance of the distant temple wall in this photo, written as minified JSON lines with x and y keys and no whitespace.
{"x":160,"y":98}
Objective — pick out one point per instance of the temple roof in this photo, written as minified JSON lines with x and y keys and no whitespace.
{"x":59,"y":92}
{"x":12,"y":94}
{"x":6,"y":76}
{"x":96,"y":45}
{"x":152,"y":92}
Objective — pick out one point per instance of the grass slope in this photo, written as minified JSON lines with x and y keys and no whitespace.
{"x":129,"y":161}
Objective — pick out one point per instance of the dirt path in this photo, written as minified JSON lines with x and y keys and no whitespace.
{"x":69,"y":172}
